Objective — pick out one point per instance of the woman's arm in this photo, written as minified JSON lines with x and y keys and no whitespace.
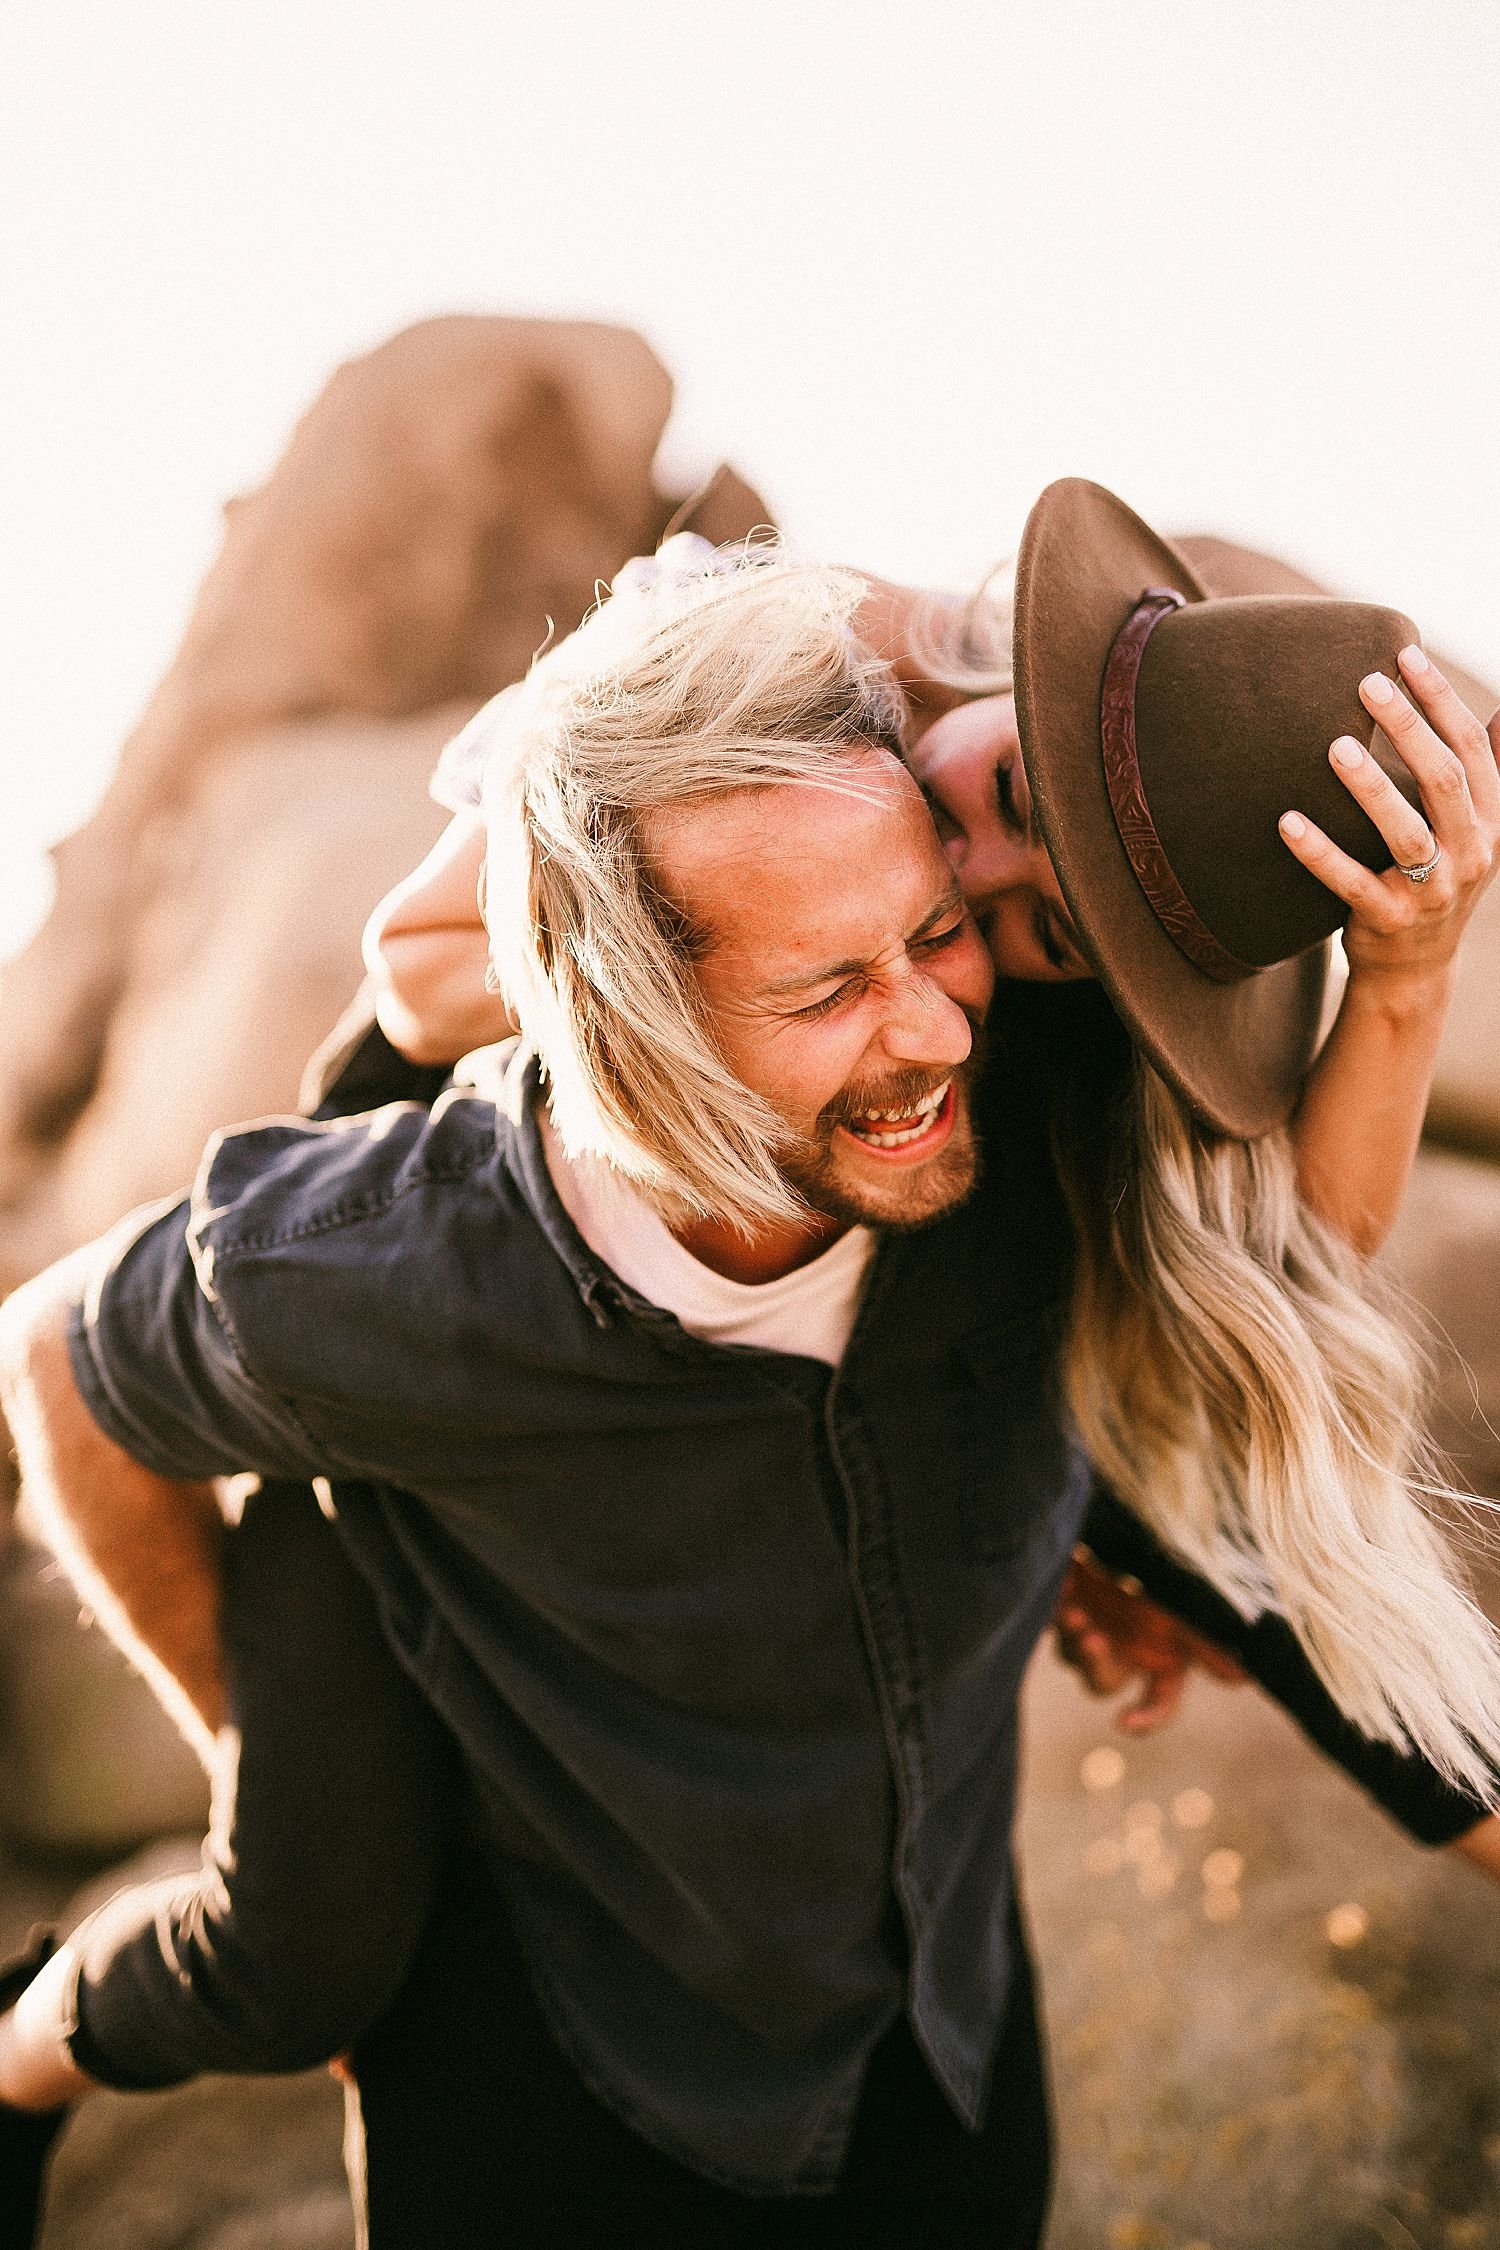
{"x":1128,"y":1572}
{"x":896,"y":621}
{"x":1363,"y":1106}
{"x":426,"y":950}
{"x":1360,"y":1117}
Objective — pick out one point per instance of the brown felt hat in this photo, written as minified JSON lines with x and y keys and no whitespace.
{"x":1163,"y":732}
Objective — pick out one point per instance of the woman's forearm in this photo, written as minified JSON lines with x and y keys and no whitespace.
{"x":1360,"y":1117}
{"x":431,"y":1000}
{"x":427,"y":952}
{"x":1361,"y":1114}
{"x":896,"y":622}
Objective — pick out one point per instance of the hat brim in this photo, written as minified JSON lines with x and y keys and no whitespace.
{"x":1236,"y":1053}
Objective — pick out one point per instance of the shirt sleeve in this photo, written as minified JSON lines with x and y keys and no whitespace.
{"x":1403,"y":1783}
{"x":160,"y":1369}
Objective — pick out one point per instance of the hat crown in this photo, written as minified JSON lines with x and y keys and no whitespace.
{"x":1237,"y":700}
{"x":1230,"y":707}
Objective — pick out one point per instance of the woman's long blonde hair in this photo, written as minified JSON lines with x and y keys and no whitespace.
{"x":1250,"y":1386}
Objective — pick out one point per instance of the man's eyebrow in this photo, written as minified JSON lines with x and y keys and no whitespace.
{"x":951,"y":900}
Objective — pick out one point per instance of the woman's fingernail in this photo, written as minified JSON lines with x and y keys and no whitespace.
{"x":1377,"y":688}
{"x":1346,"y":752}
{"x":1292,"y":824}
{"x":1412,"y":660}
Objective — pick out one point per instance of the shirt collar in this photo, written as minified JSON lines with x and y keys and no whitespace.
{"x":511,"y":1077}
{"x":514,"y":1082}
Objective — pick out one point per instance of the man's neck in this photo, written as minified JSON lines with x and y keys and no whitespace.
{"x":763,"y":1256}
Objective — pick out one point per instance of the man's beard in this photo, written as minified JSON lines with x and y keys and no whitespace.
{"x":913,"y":1198}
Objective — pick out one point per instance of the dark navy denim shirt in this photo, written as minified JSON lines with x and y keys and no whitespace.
{"x":731,"y":1641}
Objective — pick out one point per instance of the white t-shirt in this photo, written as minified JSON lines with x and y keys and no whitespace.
{"x":810,"y":1311}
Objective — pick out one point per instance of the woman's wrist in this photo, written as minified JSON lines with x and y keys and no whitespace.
{"x":1406,"y":995}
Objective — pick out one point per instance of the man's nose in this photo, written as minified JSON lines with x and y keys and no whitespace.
{"x":926,"y":1025}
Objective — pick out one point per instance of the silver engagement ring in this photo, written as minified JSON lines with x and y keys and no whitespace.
{"x":1420,"y":874}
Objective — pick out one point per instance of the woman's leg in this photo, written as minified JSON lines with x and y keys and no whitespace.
{"x":331,"y":1809}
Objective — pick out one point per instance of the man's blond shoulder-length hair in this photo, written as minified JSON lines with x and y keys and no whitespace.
{"x":1248,"y":1384}
{"x":744,"y":673}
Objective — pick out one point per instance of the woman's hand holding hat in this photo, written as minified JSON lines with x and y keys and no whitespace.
{"x":1362,"y":1109}
{"x":1405,"y":924}
{"x":1167,"y":732}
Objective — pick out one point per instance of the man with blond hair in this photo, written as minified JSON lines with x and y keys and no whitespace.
{"x":703,"y":1458}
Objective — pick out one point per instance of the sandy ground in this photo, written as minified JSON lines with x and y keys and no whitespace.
{"x":1272,"y":2017}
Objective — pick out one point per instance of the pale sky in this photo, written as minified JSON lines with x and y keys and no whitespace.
{"x":1239,"y":260}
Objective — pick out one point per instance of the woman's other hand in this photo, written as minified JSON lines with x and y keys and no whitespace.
{"x":1113,"y":1636}
{"x":427,"y":953}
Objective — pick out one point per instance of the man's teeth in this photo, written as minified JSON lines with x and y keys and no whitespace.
{"x":892,"y":1128}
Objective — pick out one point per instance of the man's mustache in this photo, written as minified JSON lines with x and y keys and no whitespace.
{"x":902,"y":1089}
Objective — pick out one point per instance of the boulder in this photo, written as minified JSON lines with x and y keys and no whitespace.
{"x":1444,"y":1252}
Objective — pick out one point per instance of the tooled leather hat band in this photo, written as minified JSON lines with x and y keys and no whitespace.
{"x":1168,"y":900}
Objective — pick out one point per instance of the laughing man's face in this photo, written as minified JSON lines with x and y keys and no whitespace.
{"x":846,"y":980}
